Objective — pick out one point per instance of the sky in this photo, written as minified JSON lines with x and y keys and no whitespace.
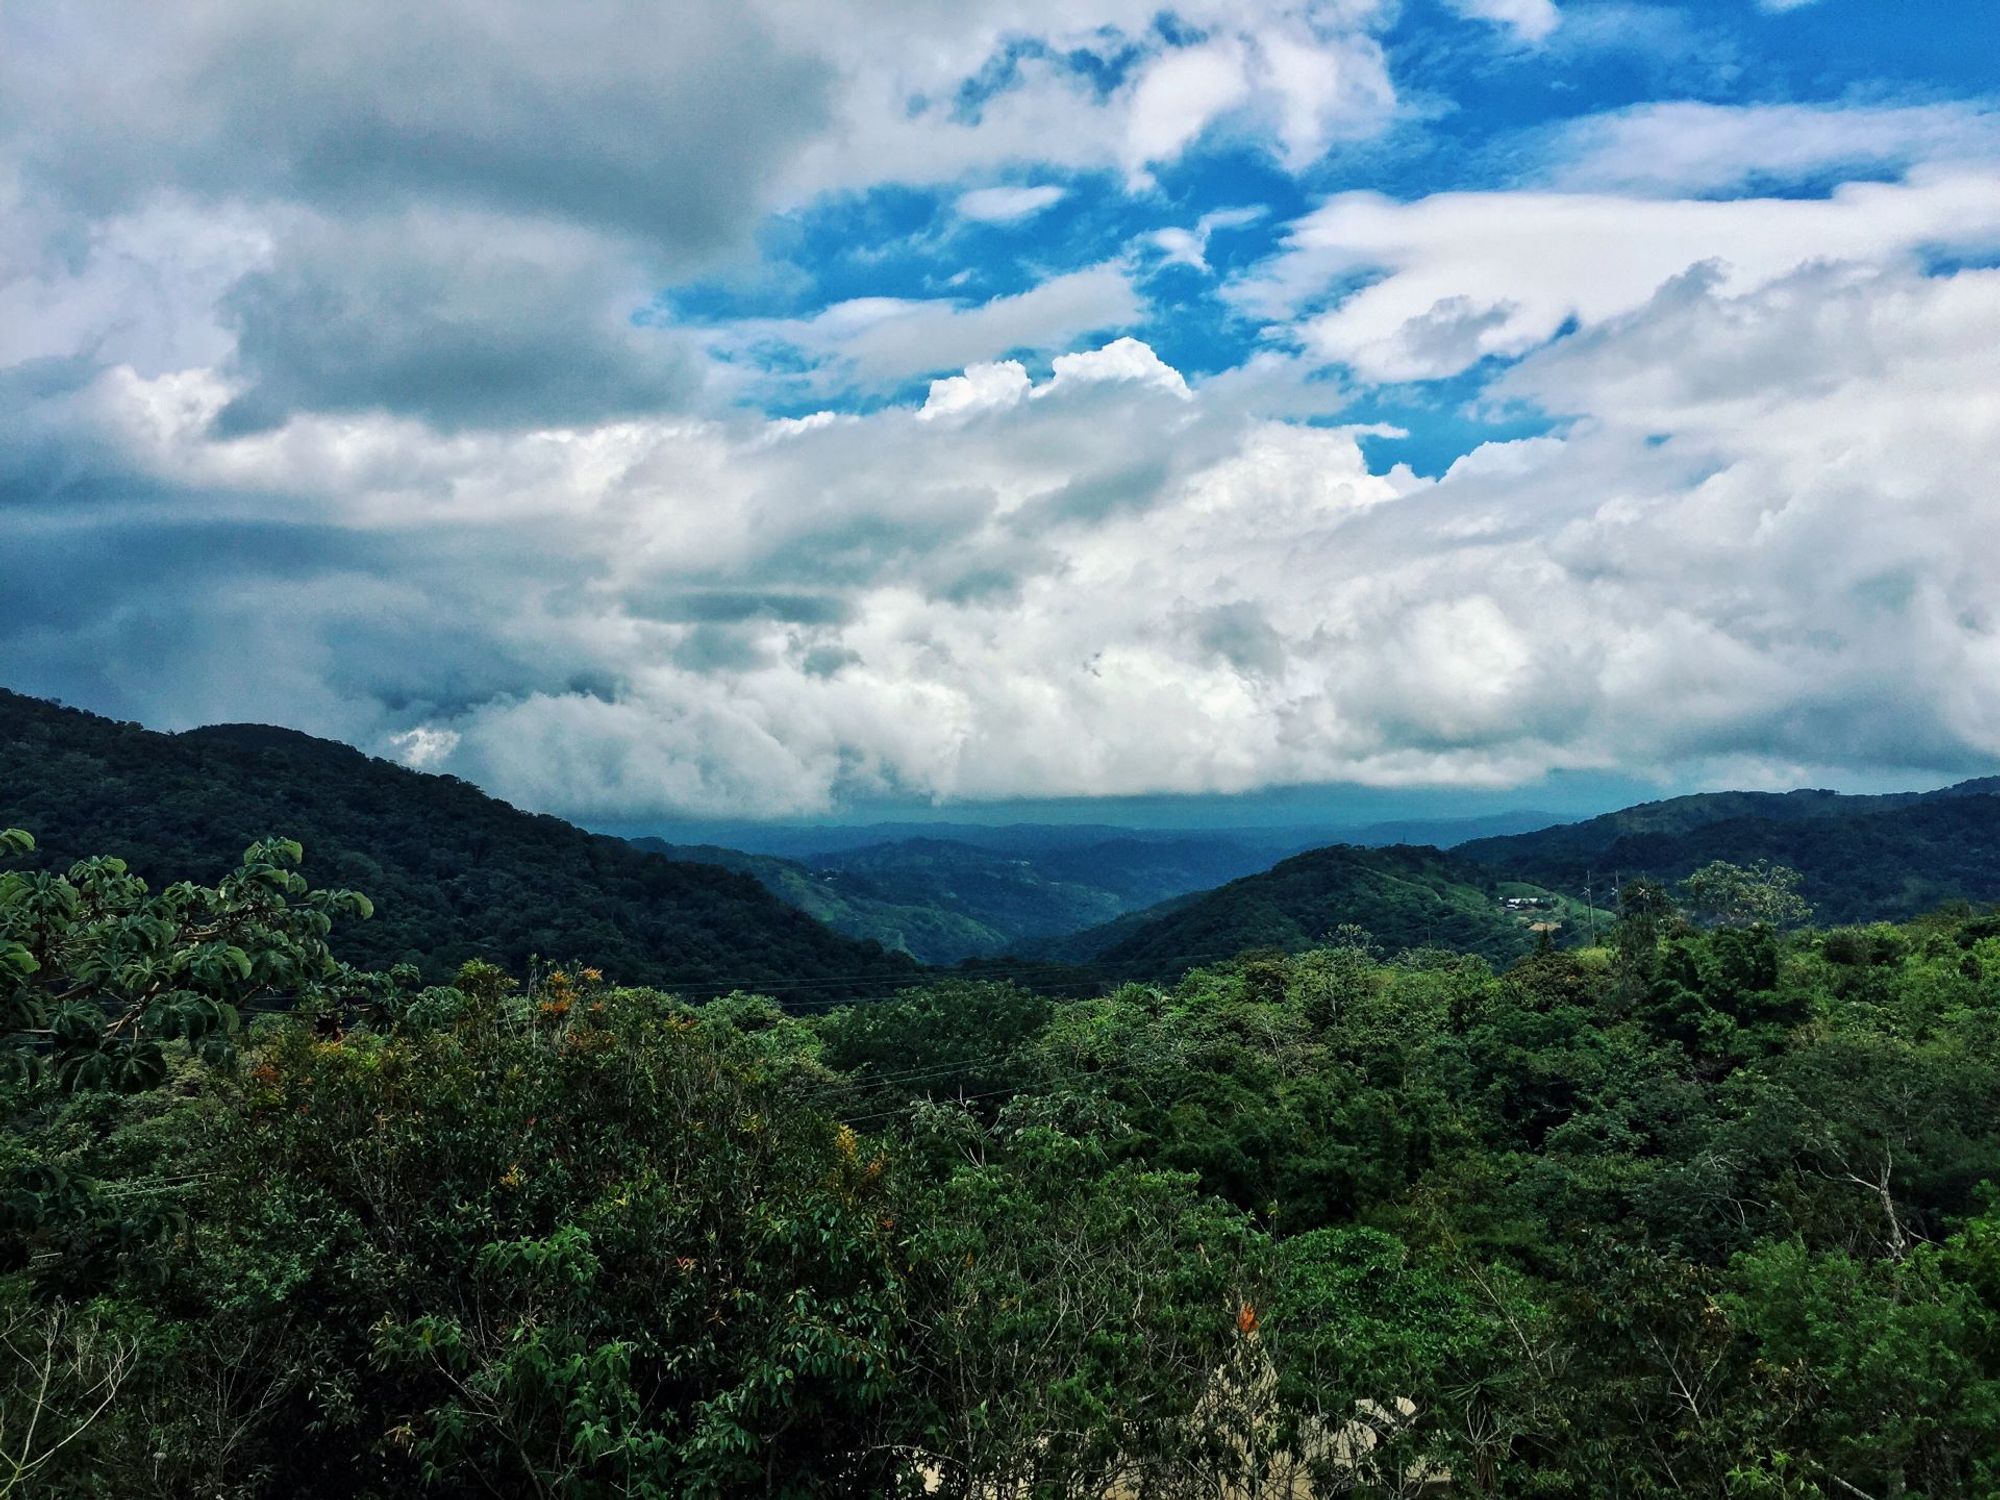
{"x":799,"y":409}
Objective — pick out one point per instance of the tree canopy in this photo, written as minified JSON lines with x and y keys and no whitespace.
{"x":1709,"y":1210}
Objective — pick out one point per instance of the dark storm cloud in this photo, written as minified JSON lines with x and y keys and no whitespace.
{"x":180,"y":620}
{"x":653,"y":121}
{"x":1096,"y":496}
{"x":726,"y":606}
{"x":1240,"y":634}
{"x":43,"y":456}
{"x":461,"y":205}
{"x":461,"y":324}
{"x":719,"y":648}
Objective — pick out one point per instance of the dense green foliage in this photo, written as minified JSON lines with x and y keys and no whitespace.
{"x":98,"y":973}
{"x":1862,"y":858}
{"x":1708,"y":1211}
{"x":1409,"y":897}
{"x":457,"y":874}
{"x":943,"y":900}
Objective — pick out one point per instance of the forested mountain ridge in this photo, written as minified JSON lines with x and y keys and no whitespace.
{"x":454,"y":874}
{"x":458,"y":874}
{"x":1538,"y":848}
{"x":1405,"y":896}
{"x":945,"y":900}
{"x":1862,"y":858}
{"x":927,"y":931}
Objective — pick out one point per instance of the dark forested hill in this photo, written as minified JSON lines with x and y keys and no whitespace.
{"x":1405,"y":896}
{"x":1578,"y":845}
{"x":1863,"y":858}
{"x":928,"y":930}
{"x":454,"y":874}
{"x":944,"y":900}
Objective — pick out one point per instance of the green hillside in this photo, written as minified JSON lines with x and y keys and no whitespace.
{"x":1863,"y":858}
{"x":1560,"y":847}
{"x":947,"y":900}
{"x":1405,"y":896}
{"x":927,"y":930}
{"x":455,"y":874}
{"x":1007,"y":893}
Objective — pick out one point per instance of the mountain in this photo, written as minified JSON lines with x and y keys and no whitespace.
{"x":929,"y":932}
{"x":1143,"y":871}
{"x":1449,"y":833}
{"x":454,"y":873}
{"x":945,"y":900}
{"x":1405,"y":896}
{"x":1580,"y":844}
{"x":1864,"y":859}
{"x":810,"y":842}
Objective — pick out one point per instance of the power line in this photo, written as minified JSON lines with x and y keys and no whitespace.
{"x":883,"y":1114}
{"x":997,"y":971}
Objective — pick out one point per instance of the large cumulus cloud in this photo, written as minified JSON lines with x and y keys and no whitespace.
{"x":1460,"y":277}
{"x":459,"y":211}
{"x":661,"y":121}
{"x":337,"y":393}
{"x":1773,"y":549}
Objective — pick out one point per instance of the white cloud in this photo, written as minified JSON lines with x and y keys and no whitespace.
{"x":1007,"y":205}
{"x":423,"y":747}
{"x":1181,"y":247}
{"x":1769,"y":541}
{"x":883,"y":340}
{"x":1687,"y":147}
{"x":980,"y":388}
{"x":1122,"y":359}
{"x":1295,"y":75}
{"x":1461,"y":276}
{"x":1177,"y":97}
{"x":175,"y":190}
{"x":481,"y":518}
{"x":1531,"y":21}
{"x":1189,"y":247}
{"x":997,"y":386}
{"x":1317,"y":91}
{"x":139,"y":288}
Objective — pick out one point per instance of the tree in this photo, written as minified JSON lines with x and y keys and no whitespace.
{"x":1724,"y":895}
{"x":1879,"y":1377}
{"x":1390,"y":1371}
{"x":97,"y":973}
{"x":61,"y":1370}
{"x":1070,"y":1312}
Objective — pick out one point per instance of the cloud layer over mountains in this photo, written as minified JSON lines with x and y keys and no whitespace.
{"x":646,"y":409}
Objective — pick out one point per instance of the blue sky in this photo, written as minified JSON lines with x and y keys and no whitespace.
{"x":842,"y":409}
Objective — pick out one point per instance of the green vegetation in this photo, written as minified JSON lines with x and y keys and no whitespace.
{"x":458,"y":875}
{"x":1409,"y":897}
{"x":1709,"y":1210}
{"x":943,"y":900}
{"x":1862,"y":859}
{"x":926,"y":930}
